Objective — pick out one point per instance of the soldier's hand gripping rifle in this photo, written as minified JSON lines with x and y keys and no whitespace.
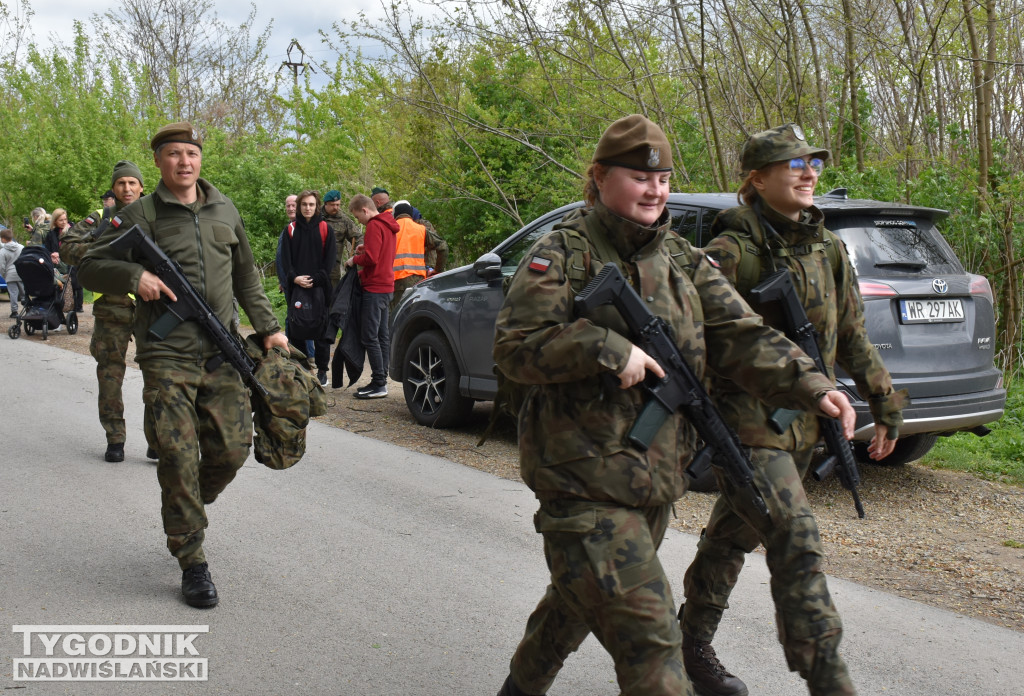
{"x":778,"y":287}
{"x":189,"y":305}
{"x":680,"y":389}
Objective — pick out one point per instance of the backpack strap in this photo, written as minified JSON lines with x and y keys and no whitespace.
{"x":577,"y":267}
{"x":750,"y":265}
{"x":149,"y":210}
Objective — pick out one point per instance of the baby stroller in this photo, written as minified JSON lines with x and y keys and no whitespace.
{"x":44,"y":303}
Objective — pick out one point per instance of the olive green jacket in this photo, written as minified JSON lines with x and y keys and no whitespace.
{"x":832,"y":301}
{"x":213,"y":251}
{"x":73,"y":247}
{"x":574,"y":423}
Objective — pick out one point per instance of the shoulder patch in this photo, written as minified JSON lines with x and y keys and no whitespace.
{"x":90,"y":220}
{"x":712,"y":261}
{"x":539,"y":264}
{"x":116,"y":221}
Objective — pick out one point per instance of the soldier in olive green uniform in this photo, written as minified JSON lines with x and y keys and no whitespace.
{"x":200,"y":420}
{"x":346,"y":232}
{"x":779,"y":227}
{"x":114,"y":314}
{"x":604,"y":504}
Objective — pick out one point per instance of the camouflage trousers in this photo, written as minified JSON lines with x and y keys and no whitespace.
{"x":201,"y":424}
{"x":606,"y":579}
{"x":108,"y":346}
{"x":809,"y":626}
{"x":401,"y":285}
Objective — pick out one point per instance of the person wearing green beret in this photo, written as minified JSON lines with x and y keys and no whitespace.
{"x":199,"y":419}
{"x":604,"y":501}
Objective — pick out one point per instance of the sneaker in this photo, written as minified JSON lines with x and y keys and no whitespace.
{"x":321,"y":376}
{"x":14,"y":315}
{"x":115,"y":452}
{"x":709,"y":676}
{"x":197,"y":586}
{"x":372,"y":392}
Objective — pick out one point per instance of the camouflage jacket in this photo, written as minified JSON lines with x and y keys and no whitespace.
{"x":574,"y":422}
{"x":436,"y":256}
{"x":209,"y":242}
{"x":833,"y":304}
{"x":40,"y":232}
{"x":346,"y":234}
{"x":73,"y":246}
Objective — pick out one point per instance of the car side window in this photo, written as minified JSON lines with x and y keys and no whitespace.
{"x":511,"y":256}
{"x":707,"y":217}
{"x":684,"y":222}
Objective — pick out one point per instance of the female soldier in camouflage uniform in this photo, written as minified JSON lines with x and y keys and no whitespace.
{"x":780,"y":228}
{"x":604,"y":504}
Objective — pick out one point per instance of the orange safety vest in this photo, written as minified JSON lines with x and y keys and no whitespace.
{"x":410,"y":249}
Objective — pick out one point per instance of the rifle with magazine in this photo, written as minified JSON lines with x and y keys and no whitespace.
{"x":680,"y":389}
{"x":778,"y":287}
{"x":189,"y":305}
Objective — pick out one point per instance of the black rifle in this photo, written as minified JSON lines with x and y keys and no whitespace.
{"x":778,"y":287}
{"x":189,"y":305}
{"x":679,"y":389}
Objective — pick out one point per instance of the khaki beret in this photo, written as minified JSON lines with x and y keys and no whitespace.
{"x":125,"y":168}
{"x":776,"y":145}
{"x":635,"y":142}
{"x":181,"y":132}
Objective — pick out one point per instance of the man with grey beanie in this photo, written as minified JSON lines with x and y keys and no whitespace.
{"x":115,"y":314}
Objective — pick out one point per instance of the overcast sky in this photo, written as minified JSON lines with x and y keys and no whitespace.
{"x":299,"y":21}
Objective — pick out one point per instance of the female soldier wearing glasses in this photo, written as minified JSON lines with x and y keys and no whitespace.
{"x":780,"y":227}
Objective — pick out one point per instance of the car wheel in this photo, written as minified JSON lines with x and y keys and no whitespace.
{"x":72,"y":322}
{"x":432,"y":383}
{"x":14,"y":331}
{"x":908,"y":449}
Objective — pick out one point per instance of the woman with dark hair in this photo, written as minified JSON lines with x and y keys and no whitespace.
{"x":776,"y":227}
{"x":605,"y":501}
{"x":308,"y":250}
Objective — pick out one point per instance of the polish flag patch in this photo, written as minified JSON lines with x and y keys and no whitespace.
{"x":539,"y":264}
{"x":90,"y":220}
{"x":712,"y":261}
{"x":116,"y":222}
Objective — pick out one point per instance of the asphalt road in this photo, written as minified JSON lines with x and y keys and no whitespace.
{"x":367,"y":569}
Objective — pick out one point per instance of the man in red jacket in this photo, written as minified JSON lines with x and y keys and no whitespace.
{"x":375,"y":258}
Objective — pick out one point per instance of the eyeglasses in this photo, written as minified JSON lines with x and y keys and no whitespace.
{"x":797,"y":165}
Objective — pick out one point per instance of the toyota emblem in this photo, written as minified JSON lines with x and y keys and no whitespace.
{"x":940,"y":286}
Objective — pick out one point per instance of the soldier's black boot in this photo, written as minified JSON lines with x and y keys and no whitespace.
{"x":509,"y":688}
{"x":709,"y":676}
{"x":197,"y":586}
{"x":115,"y":452}
{"x":151,"y":453}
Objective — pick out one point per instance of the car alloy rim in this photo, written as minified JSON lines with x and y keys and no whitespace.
{"x":428,"y":380}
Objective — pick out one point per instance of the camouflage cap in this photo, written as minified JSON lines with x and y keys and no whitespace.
{"x":775,"y":145}
{"x":635,"y":142}
{"x":332,"y":195}
{"x":125,"y":168}
{"x":180,"y":132}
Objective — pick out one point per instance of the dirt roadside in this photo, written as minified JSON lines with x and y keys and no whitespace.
{"x":942,"y":538}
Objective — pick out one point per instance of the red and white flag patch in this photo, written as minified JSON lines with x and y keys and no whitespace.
{"x":116,"y":222}
{"x":712,"y":261}
{"x":539,"y":264}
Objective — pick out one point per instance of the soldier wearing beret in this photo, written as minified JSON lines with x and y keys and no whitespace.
{"x":114,"y":313}
{"x":381,"y":198}
{"x":346,"y":232}
{"x":779,"y":224}
{"x":199,"y":420}
{"x":604,"y":504}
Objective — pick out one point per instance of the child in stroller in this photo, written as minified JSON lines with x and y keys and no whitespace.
{"x":45,"y":292}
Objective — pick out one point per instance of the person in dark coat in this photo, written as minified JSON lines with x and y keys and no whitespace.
{"x":308,"y":250}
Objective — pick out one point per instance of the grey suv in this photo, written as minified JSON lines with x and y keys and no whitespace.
{"x":932,"y":322}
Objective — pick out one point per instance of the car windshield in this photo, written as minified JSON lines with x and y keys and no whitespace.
{"x":881,"y":247}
